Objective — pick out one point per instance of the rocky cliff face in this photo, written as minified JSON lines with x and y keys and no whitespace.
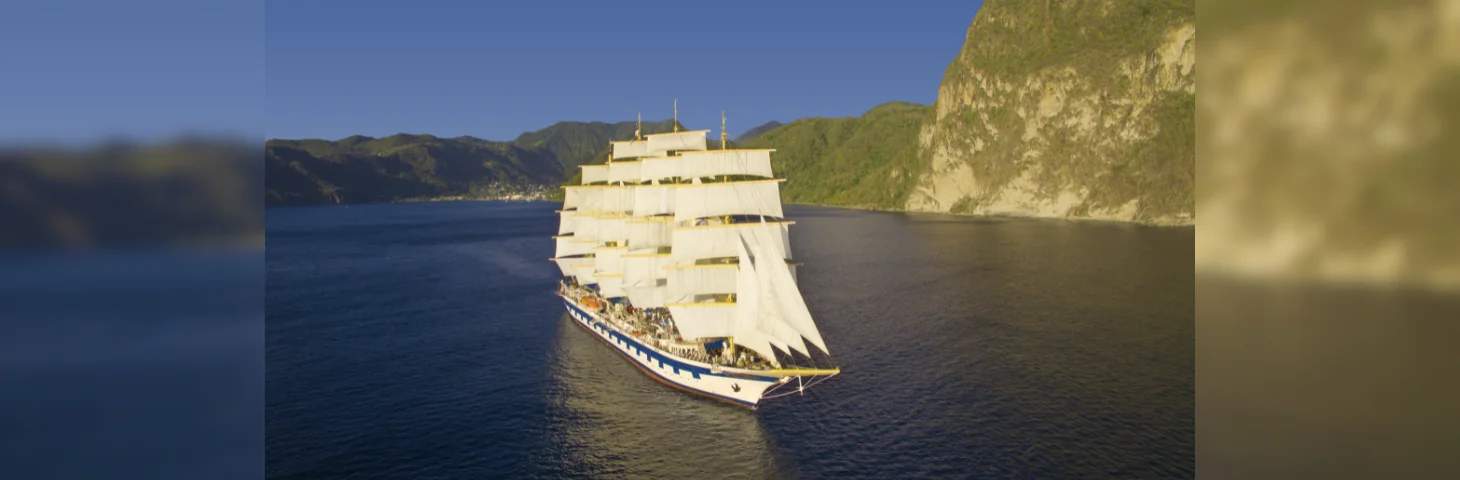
{"x":1067,"y":109}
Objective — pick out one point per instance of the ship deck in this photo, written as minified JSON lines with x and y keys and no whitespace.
{"x":656,"y":329}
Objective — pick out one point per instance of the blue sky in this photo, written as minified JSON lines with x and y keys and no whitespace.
{"x":79,"y":71}
{"x":82,"y":70}
{"x":494,"y":69}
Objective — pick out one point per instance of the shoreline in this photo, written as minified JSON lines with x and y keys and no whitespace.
{"x":393,"y":202}
{"x":1168,"y":224}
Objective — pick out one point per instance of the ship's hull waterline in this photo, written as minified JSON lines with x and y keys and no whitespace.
{"x":693,"y":377}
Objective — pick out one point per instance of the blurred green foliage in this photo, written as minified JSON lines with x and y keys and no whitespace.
{"x":124,"y":194}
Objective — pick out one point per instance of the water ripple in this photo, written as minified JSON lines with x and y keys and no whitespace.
{"x":422,"y":341}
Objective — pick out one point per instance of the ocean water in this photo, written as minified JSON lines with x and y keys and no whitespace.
{"x":139,"y":363}
{"x":423,"y":341}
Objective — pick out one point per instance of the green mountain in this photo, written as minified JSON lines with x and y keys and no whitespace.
{"x":577,"y":143}
{"x":400,"y":167}
{"x":756,"y":132}
{"x":866,"y":161}
{"x":1053,"y":109}
{"x":362,"y":169}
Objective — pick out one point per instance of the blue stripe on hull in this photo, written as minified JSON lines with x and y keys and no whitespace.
{"x":654,"y":356}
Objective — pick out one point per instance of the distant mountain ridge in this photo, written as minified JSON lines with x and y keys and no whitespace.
{"x":756,"y":132}
{"x":404,"y":166}
{"x":577,"y":143}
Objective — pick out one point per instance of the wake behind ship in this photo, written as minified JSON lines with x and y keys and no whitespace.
{"x":679,"y":258}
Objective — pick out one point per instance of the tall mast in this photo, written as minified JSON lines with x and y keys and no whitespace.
{"x":722,"y":147}
{"x":638,"y":126}
{"x":676,"y":115}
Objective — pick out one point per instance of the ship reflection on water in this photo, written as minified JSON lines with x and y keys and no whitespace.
{"x":608,"y":419}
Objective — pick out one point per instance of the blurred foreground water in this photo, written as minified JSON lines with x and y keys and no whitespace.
{"x":1313,"y":381}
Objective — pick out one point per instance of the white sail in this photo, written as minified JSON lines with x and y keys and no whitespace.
{"x":617,"y":199}
{"x":756,"y":197}
{"x":630,"y":149}
{"x":643,"y":269}
{"x":610,"y":284}
{"x":566,"y":265}
{"x":792,"y":306}
{"x":571,"y":245}
{"x":612,"y":229}
{"x":623,"y":172}
{"x":686,"y":281}
{"x":650,"y":233}
{"x":608,"y":260}
{"x":762,"y":321}
{"x":658,"y":168}
{"x":646,"y":296}
{"x":565,"y":221}
{"x":746,"y":329}
{"x":773,"y":316}
{"x":590,"y":199}
{"x":717,"y":241}
{"x":584,"y":272}
{"x":714,"y":163}
{"x":677,"y":141}
{"x":653,"y":200}
{"x":594,"y":173}
{"x":703,"y":320}
{"x":570,"y":197}
{"x":585,"y":227}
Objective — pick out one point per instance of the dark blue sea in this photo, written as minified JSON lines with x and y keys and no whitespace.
{"x":132,"y":363}
{"x":423,"y":341}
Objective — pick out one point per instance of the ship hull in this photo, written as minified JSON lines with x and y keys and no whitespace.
{"x":689,"y":376}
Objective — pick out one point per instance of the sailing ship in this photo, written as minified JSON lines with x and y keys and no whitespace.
{"x":679,"y":258}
